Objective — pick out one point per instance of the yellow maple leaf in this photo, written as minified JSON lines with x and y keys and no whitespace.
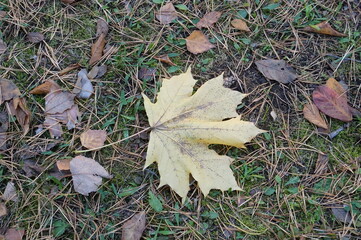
{"x":184,"y":125}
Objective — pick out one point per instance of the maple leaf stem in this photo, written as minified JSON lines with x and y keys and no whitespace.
{"x":113,"y":143}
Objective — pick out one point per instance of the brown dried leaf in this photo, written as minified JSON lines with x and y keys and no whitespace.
{"x":323,"y":28}
{"x":336,"y":86}
{"x":3,"y":47}
{"x":240,"y":25}
{"x":197,"y":42}
{"x":83,"y":87}
{"x":277,"y":70}
{"x":32,"y":169}
{"x":46,"y":87}
{"x":63,"y":165}
{"x":165,"y":58}
{"x":332,"y":104}
{"x":69,"y":68}
{"x":97,"y":72}
{"x":146,"y":73}
{"x":321,"y":164}
{"x":35,"y":37}
{"x":10,"y":193}
{"x":3,"y":210}
{"x":93,"y":138}
{"x":4,"y":124}
{"x":97,"y":49}
{"x":8,"y":90}
{"x":134,"y":227}
{"x":58,"y":101}
{"x":19,"y":108}
{"x":166,"y":14}
{"x":102,"y":27}
{"x":311,"y":113}
{"x":209,"y":19}
{"x":14,"y":234}
{"x":87,"y":174}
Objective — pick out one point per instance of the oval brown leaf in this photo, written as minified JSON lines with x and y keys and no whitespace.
{"x":311,"y":113}
{"x":197,"y":42}
{"x":167,"y":13}
{"x":45,"y":87}
{"x":332,"y":104}
{"x":240,"y":25}
{"x":209,"y":19}
{"x":97,"y":49}
{"x":324,"y":28}
{"x":277,"y":70}
{"x":93,"y":138}
{"x":35,"y":37}
{"x":134,"y":227}
{"x":165,"y":58}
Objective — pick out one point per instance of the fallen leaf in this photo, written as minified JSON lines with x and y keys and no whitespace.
{"x":332,"y":104}
{"x":18,"y":107}
{"x":197,"y":42}
{"x":209,"y":19}
{"x":63,"y":165}
{"x":134,"y":227}
{"x":3,"y":47}
{"x":14,"y":234}
{"x":37,"y":147}
{"x":146,"y":73}
{"x":32,"y":169}
{"x":10,"y":193}
{"x":102,"y":27}
{"x":165,"y":58}
{"x":323,"y":28}
{"x":46,"y":87}
{"x":53,"y":126}
{"x":69,"y":68}
{"x":340,"y":213}
{"x":93,"y":138}
{"x":240,"y":25}
{"x":321,"y":164}
{"x":3,"y":210}
{"x":311,"y":113}
{"x":97,"y":72}
{"x":68,"y":1}
{"x":83,"y":87}
{"x":97,"y":49}
{"x":8,"y":90}
{"x":35,"y":37}
{"x":58,"y":101}
{"x":336,"y":86}
{"x":184,"y":125}
{"x":4,"y":124}
{"x":277,"y":70}
{"x":166,"y":14}
{"x":87,"y":174}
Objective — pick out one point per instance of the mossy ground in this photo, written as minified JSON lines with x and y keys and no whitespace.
{"x":283,"y":198}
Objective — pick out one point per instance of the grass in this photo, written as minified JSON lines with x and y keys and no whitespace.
{"x":287,"y":195}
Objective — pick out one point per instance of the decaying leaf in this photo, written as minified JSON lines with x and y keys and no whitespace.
{"x":321,"y":164}
{"x":311,"y":113}
{"x":165,"y":58}
{"x":97,"y":49}
{"x":197,"y":42}
{"x":3,"y":47}
{"x":14,"y":234}
{"x":58,"y":101}
{"x":31,"y":168}
{"x":209,"y":19}
{"x":83,"y":87}
{"x":240,"y":25}
{"x":184,"y":125}
{"x":93,"y":138}
{"x":323,"y":28}
{"x":3,"y":210}
{"x":69,"y":68}
{"x":277,"y":70}
{"x":134,"y":227}
{"x":35,"y":37}
{"x":46,"y":87}
{"x":4,"y":124}
{"x":8,"y":90}
{"x":336,"y":86}
{"x":340,"y":213}
{"x":97,"y":71}
{"x":34,"y":149}
{"x":167,"y":13}
{"x":63,"y":165}
{"x":10,"y":193}
{"x":87,"y":174}
{"x":102,"y":27}
{"x":146,"y":73}
{"x":19,"y":109}
{"x":331,"y":103}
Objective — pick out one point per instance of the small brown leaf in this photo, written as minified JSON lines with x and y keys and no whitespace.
{"x":53,"y":126}
{"x":14,"y":234}
{"x":46,"y":87}
{"x":134,"y":227}
{"x":83,"y":87}
{"x":277,"y":70}
{"x":58,"y":101}
{"x":3,"y":47}
{"x":87,"y":174}
{"x":209,"y":19}
{"x":97,"y":49}
{"x":332,"y":104}
{"x":311,"y":113}
{"x":146,"y":73}
{"x":165,"y":58}
{"x":63,"y":165}
{"x":8,"y":90}
{"x":35,"y":37}
{"x":32,"y":169}
{"x":93,"y":138}
{"x":4,"y":124}
{"x":336,"y":86}
{"x":97,"y":72}
{"x":323,"y":28}
{"x":3,"y":210}
{"x":69,"y":68}
{"x":240,"y":25}
{"x":166,"y":14}
{"x":197,"y":42}
{"x":10,"y":193}
{"x":19,"y":108}
{"x":102,"y":27}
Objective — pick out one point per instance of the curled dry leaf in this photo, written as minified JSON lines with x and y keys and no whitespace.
{"x":4,"y":124}
{"x":209,"y":19}
{"x":18,"y":107}
{"x":3,"y":210}
{"x":83,"y":87}
{"x":165,"y":58}
{"x":323,"y":28}
{"x":93,"y":138}
{"x":331,"y":103}
{"x":35,"y":37}
{"x":240,"y":25}
{"x":69,"y":68}
{"x":133,"y":228}
{"x":102,"y":27}
{"x":197,"y":42}
{"x":184,"y":125}
{"x":10,"y":193}
{"x":277,"y":70}
{"x":311,"y":113}
{"x":87,"y":174}
{"x":14,"y":234}
{"x":167,"y":13}
{"x":3,"y":47}
{"x":63,"y":165}
{"x":46,"y":87}
{"x":97,"y":49}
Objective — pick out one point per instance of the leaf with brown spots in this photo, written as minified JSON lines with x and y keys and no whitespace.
{"x":323,"y":28}
{"x":277,"y":70}
{"x":197,"y":42}
{"x":165,"y":58}
{"x":331,"y":103}
{"x":93,"y":138}
{"x":167,"y":13}
{"x":133,"y":228}
{"x":311,"y":113}
{"x":97,"y":49}
{"x":209,"y":19}
{"x":240,"y":25}
{"x":35,"y":37}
